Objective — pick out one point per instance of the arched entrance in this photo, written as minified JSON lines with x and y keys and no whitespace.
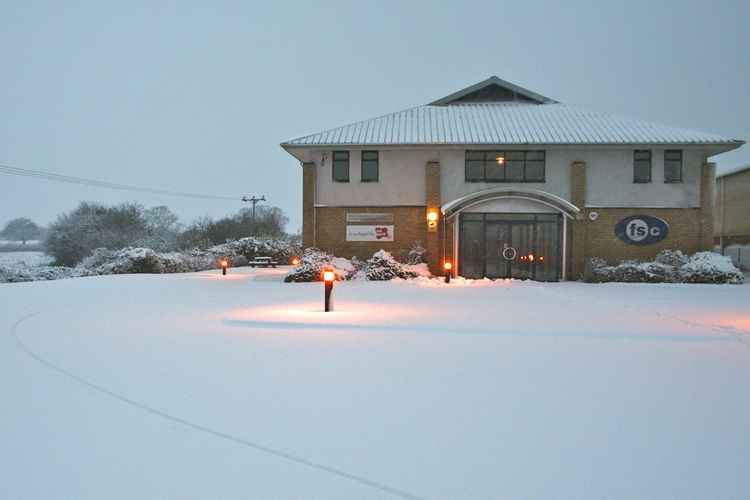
{"x":510,"y":233}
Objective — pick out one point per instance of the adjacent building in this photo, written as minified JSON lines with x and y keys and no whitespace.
{"x":732,"y":210}
{"x":506,"y":183}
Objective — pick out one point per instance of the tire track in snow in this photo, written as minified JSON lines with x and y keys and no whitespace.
{"x":203,"y":428}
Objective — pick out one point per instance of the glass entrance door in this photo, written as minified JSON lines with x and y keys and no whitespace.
{"x":521,"y":246}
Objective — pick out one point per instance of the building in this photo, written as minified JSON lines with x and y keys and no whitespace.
{"x":732,"y":210}
{"x":504,"y":182}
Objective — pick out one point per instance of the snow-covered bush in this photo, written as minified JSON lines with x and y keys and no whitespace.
{"x":314,"y":261}
{"x":417,"y":254}
{"x":674,"y":258}
{"x":19,"y":273}
{"x":249,"y":248}
{"x":383,"y":267}
{"x":145,"y":260}
{"x":709,"y":267}
{"x":669,"y":267}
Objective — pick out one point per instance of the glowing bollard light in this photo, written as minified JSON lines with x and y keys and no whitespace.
{"x":224,"y":265}
{"x":328,"y":278}
{"x":448,"y":268}
{"x":295,"y":261}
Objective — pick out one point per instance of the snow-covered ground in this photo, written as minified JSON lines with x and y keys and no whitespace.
{"x":197,"y":386}
{"x":28,"y":258}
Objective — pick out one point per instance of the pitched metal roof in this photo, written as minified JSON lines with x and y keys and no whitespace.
{"x":534,"y":119}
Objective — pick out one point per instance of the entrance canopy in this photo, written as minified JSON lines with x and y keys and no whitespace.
{"x":555,"y":202}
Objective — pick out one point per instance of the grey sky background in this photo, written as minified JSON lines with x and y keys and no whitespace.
{"x":190,"y":97}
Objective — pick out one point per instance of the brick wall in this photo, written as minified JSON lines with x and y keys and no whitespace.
{"x":409,"y":228}
{"x":684,"y":233}
{"x":309,"y":180}
{"x":434,"y":239}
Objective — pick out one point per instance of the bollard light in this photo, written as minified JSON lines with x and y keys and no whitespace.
{"x":328,"y":278}
{"x":224,"y":265}
{"x":295,"y":261}
{"x":448,"y":268}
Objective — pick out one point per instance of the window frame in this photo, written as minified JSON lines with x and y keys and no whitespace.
{"x":348,"y":166}
{"x":489,"y":159}
{"x":362,"y":166}
{"x":679,"y":179}
{"x":636,"y":179}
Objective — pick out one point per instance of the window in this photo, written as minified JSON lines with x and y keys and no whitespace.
{"x":370,"y":170}
{"x":642,"y":165}
{"x":504,"y":166}
{"x":673,"y":165}
{"x":341,"y":166}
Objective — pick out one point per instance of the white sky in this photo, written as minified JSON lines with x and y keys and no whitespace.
{"x":194,"y":98}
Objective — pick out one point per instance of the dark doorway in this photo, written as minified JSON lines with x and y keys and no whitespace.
{"x":521,"y":246}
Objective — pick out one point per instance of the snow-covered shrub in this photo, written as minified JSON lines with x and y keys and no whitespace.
{"x":21,"y":273}
{"x":669,"y":267}
{"x":383,"y":267}
{"x":709,"y":267}
{"x":250,"y":248}
{"x":674,"y":258}
{"x":314,"y":261}
{"x":417,"y":254}
{"x":629,"y":271}
{"x":145,"y":260}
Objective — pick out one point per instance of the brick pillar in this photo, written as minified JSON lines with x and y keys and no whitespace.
{"x":309,"y":178}
{"x":708,"y":185}
{"x":433,"y":240}
{"x":577,"y":248}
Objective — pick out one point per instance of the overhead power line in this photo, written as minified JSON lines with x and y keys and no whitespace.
{"x":39,"y":174}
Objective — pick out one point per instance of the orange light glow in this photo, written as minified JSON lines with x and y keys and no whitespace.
{"x":541,"y":258}
{"x":448,"y":266}
{"x":295,"y":261}
{"x":329,"y":276}
{"x":224,"y":263}
{"x":432,"y":216}
{"x":500,"y":160}
{"x":531,"y":257}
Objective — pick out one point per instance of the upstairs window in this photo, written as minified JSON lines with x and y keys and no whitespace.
{"x":341,"y":166}
{"x":673,"y":165}
{"x":370,"y":168}
{"x":505,"y":166}
{"x":642,"y":165}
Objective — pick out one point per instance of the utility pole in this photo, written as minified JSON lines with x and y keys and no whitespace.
{"x":254,"y":200}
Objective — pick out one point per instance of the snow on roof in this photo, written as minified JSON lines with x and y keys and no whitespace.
{"x":733,"y":170}
{"x":497,"y":112}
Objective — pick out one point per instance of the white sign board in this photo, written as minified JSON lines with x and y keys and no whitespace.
{"x":369,"y":233}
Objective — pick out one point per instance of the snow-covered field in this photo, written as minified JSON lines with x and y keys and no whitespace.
{"x":198,"y":386}
{"x":28,"y":258}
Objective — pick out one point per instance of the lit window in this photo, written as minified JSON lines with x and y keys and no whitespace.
{"x":505,"y":166}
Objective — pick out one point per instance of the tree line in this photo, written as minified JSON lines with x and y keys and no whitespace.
{"x":76,"y":234}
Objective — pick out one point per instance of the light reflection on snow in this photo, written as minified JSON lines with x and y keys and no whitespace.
{"x":343,"y":313}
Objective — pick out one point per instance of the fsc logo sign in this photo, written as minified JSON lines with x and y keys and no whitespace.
{"x":641,"y":230}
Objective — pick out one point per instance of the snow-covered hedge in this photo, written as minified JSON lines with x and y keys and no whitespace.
{"x":146,"y":260}
{"x":18,"y":273}
{"x":668,"y":267}
{"x":380,"y":267}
